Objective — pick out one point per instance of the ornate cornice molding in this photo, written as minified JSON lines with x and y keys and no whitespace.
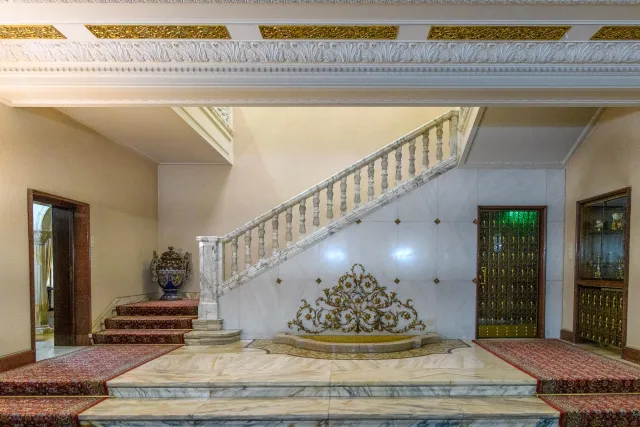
{"x":437,"y":2}
{"x":291,"y":53}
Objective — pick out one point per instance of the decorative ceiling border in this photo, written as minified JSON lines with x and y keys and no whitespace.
{"x":305,"y":52}
{"x":440,"y":2}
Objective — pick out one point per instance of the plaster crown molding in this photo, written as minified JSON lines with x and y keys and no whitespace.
{"x":320,"y":52}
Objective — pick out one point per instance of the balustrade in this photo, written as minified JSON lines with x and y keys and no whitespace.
{"x":326,"y":188}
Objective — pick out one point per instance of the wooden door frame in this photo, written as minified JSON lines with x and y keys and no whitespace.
{"x":542,"y":262}
{"x":575,"y":335}
{"x":81,"y":286}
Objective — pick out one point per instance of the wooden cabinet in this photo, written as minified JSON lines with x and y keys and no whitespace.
{"x":602,"y":268}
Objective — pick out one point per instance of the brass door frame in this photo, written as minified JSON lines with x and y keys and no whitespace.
{"x":542,"y":253}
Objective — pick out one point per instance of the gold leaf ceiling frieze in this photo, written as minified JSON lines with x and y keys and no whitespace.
{"x":159,"y":31}
{"x":330,"y":32}
{"x":497,"y":33}
{"x":617,"y":33}
{"x":30,"y":32}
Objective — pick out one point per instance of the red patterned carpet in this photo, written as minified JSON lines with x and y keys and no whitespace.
{"x":83,"y":372}
{"x":149,"y":322}
{"x":615,"y":410}
{"x":562,"y":368}
{"x":44,"y":411}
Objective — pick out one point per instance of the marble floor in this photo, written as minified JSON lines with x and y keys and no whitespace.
{"x":45,"y":349}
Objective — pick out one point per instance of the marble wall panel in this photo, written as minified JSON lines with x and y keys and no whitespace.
{"x":415,"y":251}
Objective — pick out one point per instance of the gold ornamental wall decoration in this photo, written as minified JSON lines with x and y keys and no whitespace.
{"x":329,"y":32}
{"x":617,"y":33}
{"x":506,"y":32}
{"x":16,"y":32}
{"x":357,"y":304}
{"x":159,"y":31}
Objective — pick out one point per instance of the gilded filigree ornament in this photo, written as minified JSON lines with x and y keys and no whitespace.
{"x":357,"y":304}
{"x":509,"y":32}
{"x":159,"y":31}
{"x":617,"y":33}
{"x":170,"y":271}
{"x":30,"y":32}
{"x":329,"y":32}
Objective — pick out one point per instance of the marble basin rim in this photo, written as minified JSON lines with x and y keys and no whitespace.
{"x":412,"y":341}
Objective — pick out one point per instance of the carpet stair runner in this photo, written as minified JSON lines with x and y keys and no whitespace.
{"x":149,"y":322}
{"x":588,"y":389}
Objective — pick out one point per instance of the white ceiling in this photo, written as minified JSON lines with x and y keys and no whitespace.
{"x":158,"y":133}
{"x":529,"y":137}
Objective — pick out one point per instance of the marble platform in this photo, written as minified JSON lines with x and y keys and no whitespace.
{"x":232,"y":370}
{"x":409,"y":411}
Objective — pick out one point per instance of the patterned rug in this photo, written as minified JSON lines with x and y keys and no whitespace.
{"x":615,"y":410}
{"x":562,"y":368}
{"x":445,"y":346}
{"x":83,"y":372}
{"x":184,"y":307}
{"x":149,"y":322}
{"x":44,"y":411}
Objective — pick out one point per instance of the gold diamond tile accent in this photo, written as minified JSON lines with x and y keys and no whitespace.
{"x":159,"y":31}
{"x":278,"y":280}
{"x":617,"y":33}
{"x":397,"y":221}
{"x":318,"y":281}
{"x":437,"y":221}
{"x":30,"y":32}
{"x":496,"y":33}
{"x":397,"y":281}
{"x":436,"y":280}
{"x":358,"y":221}
{"x":332,"y":32}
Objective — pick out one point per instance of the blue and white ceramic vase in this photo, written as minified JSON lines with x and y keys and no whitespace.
{"x":170,"y":272}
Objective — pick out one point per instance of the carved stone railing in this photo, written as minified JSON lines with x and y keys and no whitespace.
{"x":224,"y":265}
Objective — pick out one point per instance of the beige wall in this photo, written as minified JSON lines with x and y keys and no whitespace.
{"x":45,"y":150}
{"x":608,"y":160}
{"x":278,"y":153}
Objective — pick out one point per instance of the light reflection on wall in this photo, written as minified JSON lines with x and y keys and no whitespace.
{"x":335,"y":255}
{"x":403,"y":254}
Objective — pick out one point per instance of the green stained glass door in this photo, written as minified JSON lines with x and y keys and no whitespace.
{"x":509,"y":252}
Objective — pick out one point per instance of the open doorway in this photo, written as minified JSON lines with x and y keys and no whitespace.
{"x":59,"y":274}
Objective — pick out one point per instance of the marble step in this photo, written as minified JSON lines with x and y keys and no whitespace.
{"x":225,"y":389}
{"x":149,"y":322}
{"x":314,"y":412}
{"x":212,"y":337}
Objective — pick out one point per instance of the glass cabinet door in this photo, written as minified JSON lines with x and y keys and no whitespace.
{"x":602,"y":239}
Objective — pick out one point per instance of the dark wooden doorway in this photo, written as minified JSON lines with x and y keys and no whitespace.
{"x":511,"y":272}
{"x":71,"y":268}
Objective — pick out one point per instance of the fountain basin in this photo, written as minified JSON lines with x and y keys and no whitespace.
{"x":357,"y":343}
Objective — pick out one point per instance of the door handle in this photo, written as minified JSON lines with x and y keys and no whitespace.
{"x":484,"y":275}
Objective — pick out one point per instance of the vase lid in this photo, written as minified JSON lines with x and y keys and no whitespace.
{"x":170,"y":255}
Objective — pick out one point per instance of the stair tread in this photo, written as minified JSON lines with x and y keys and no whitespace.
{"x":142,"y":331}
{"x":151,"y":318}
{"x":186,"y":307}
{"x":309,"y":408}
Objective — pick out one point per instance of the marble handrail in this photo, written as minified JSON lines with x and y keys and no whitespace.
{"x":213,"y":261}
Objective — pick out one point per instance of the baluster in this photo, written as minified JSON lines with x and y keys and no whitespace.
{"x":398,"y":165}
{"x":439,"y":142}
{"x":384,"y":173}
{"x":412,"y":158}
{"x":371,"y":174}
{"x":356,"y":188}
{"x":288,"y":237}
{"x":343,"y":196}
{"x":303,"y":212}
{"x":274,"y":225}
{"x":234,"y":256}
{"x":247,"y":249}
{"x":316,"y":210}
{"x":453,"y":136}
{"x":330,"y":201}
{"x":425,"y":150}
{"x":261,"y":240}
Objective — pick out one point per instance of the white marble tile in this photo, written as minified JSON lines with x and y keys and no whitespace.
{"x":303,"y":266}
{"x":290,"y":296}
{"x":457,"y":250}
{"x":553,"y":309}
{"x":458,"y":195}
{"x":555,"y":250}
{"x":456,"y":309}
{"x":387,"y":213}
{"x":512,"y":187}
{"x":420,"y":204}
{"x":229,"y":309}
{"x":257,"y":300}
{"x":417,"y":251}
{"x":555,"y":194}
{"x":372,"y":244}
{"x":422,"y":294}
{"x":46,"y":350}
